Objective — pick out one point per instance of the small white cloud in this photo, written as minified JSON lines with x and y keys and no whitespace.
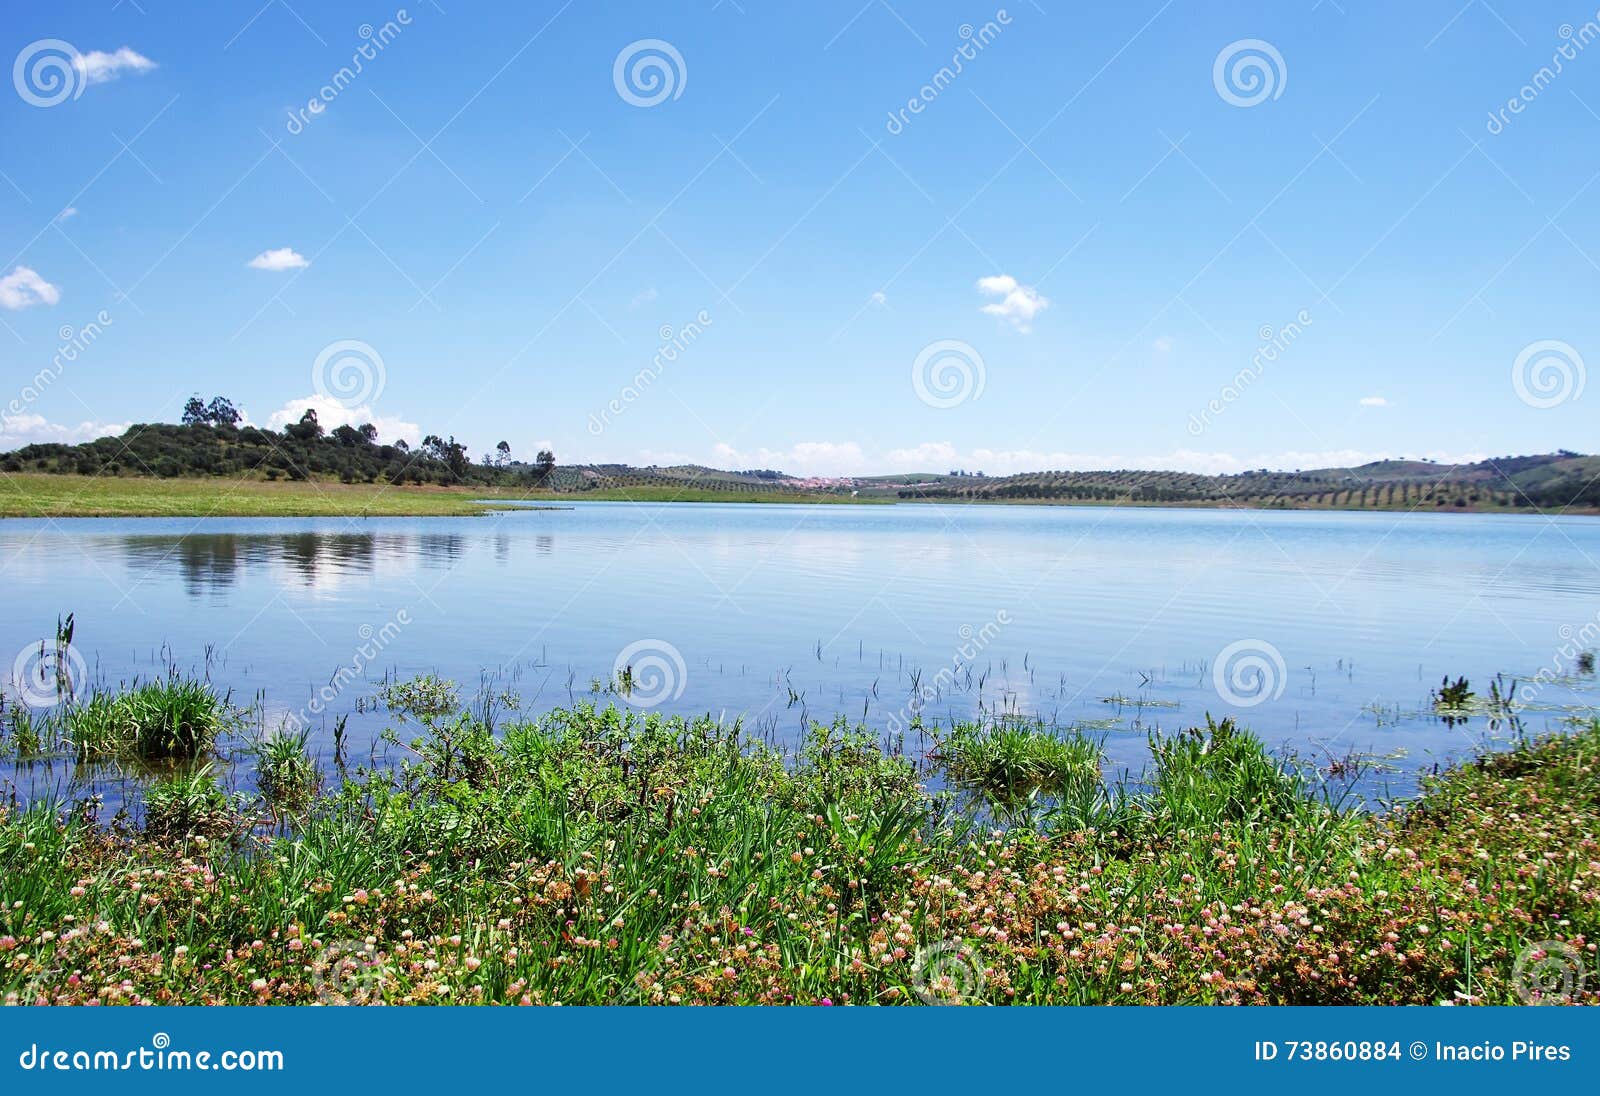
{"x":67,"y":214}
{"x":1374,"y":401}
{"x":23,"y":288}
{"x":643,"y":297}
{"x":878,"y":300}
{"x":29,"y":429}
{"x":99,"y":67}
{"x":1163,"y":345}
{"x":1018,"y":303}
{"x":331,"y":414}
{"x":279,"y":258}
{"x":806,"y":458}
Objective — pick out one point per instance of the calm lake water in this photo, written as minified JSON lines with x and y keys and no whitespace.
{"x":1324,"y":632}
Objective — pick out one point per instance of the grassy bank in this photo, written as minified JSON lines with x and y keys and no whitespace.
{"x":647,"y":493}
{"x":593,"y":856}
{"x":36,"y":495}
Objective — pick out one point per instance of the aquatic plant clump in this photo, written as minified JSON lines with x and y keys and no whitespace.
{"x":173,"y":719}
{"x":594,"y":856}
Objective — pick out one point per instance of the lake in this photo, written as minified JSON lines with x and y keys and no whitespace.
{"x":1322,"y":631}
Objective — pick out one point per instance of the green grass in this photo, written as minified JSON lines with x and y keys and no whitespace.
{"x":600,"y":856}
{"x":36,"y":495}
{"x":173,"y":719}
{"x":1013,"y":762}
{"x":186,"y":805}
{"x":42,"y":495}
{"x":649,"y":493}
{"x":285,"y":770}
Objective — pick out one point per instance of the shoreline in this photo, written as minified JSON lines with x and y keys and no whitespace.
{"x":65,"y":497}
{"x":599,"y":856}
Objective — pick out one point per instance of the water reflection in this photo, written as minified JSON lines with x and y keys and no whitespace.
{"x":208,"y":563}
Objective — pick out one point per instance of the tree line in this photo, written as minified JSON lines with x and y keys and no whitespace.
{"x":210,"y":441}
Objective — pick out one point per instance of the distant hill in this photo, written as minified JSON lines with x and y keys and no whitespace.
{"x":1544,"y":482}
{"x":1550,"y":481}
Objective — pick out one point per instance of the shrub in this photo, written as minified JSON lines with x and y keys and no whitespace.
{"x":178,"y":718}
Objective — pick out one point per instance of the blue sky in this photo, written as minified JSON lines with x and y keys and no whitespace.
{"x":1098,"y":222}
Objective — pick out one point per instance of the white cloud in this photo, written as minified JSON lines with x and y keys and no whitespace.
{"x":1018,"y":303}
{"x":878,"y":300}
{"x":1374,"y":401}
{"x":823,"y":458}
{"x":279,"y":258}
{"x":99,"y":67}
{"x":26,"y":429}
{"x":643,"y":297}
{"x":333,"y":414}
{"x":1162,"y":345}
{"x":67,"y":214}
{"x":23,"y":288}
{"x":808,"y":458}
